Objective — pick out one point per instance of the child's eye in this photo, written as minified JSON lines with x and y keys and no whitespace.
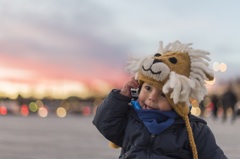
{"x":148,"y":88}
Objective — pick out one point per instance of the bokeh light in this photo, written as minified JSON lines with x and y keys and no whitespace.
{"x":194,"y":103}
{"x":43,"y":112}
{"x":215,"y":66}
{"x":222,"y":67}
{"x":86,"y":111}
{"x":39,"y":103}
{"x":196,"y":111}
{"x":3,"y":110}
{"x":61,"y":112}
{"x":33,"y":107}
{"x":24,"y":110}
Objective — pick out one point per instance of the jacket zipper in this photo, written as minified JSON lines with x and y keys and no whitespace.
{"x":150,"y":145}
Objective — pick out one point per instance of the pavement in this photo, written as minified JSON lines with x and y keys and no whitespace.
{"x":74,"y":137}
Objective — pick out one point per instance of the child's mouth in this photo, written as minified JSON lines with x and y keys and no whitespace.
{"x":148,"y":107}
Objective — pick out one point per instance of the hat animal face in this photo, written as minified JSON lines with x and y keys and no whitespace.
{"x":159,"y":66}
{"x":176,"y":69}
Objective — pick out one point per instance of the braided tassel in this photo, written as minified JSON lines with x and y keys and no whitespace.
{"x":190,"y":136}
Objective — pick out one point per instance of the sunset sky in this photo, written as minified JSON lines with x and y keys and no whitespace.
{"x":69,"y":47}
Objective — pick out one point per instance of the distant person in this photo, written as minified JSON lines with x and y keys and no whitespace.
{"x":202,"y":108}
{"x":158,"y":125}
{"x":229,"y":100}
{"x":215,"y":103}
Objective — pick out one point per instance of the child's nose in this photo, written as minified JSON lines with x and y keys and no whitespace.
{"x":153,"y":97}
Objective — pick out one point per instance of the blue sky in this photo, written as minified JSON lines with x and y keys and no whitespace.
{"x":93,"y":38}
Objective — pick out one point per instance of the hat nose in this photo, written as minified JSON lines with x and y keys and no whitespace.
{"x":156,"y":61}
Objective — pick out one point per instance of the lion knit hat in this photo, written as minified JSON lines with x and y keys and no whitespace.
{"x":180,"y":72}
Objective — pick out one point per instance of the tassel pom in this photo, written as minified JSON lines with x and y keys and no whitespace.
{"x":112,"y":145}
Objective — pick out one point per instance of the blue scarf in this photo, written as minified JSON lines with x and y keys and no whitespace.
{"x":155,"y":121}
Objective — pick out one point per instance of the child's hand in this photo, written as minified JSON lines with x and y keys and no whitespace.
{"x":126,"y":90}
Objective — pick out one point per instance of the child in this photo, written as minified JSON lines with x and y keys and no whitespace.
{"x":158,"y":125}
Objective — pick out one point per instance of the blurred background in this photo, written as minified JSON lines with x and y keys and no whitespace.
{"x":61,"y":57}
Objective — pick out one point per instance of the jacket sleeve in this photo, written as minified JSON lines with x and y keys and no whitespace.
{"x":206,"y":143}
{"x":111,"y":116}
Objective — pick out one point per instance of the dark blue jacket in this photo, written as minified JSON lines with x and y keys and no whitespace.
{"x":119,"y":123}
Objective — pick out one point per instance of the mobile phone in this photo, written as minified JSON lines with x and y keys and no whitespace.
{"x":134,"y":93}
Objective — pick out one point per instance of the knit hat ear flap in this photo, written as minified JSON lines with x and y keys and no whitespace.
{"x":183,"y":110}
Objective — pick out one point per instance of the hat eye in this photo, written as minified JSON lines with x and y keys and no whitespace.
{"x":157,"y":55}
{"x":173,"y":60}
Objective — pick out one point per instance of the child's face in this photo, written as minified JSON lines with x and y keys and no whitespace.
{"x":151,"y":97}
